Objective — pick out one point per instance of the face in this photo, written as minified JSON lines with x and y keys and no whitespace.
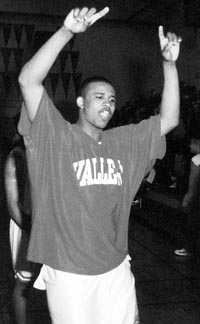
{"x":97,"y":105}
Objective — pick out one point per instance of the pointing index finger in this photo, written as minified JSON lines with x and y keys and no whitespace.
{"x":98,"y":15}
{"x":161,"y":32}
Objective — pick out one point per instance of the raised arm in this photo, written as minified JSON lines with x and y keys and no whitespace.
{"x":34,"y":71}
{"x":170,"y":103}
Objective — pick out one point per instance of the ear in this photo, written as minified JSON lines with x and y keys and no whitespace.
{"x":80,"y":102}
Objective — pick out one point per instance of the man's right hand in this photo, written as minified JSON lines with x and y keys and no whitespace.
{"x":78,"y":20}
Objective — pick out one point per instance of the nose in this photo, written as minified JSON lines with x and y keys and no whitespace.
{"x":106,"y":103}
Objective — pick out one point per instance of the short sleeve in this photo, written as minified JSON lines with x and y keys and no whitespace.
{"x":46,"y":108}
{"x":148,"y":133}
{"x":47,"y":122}
{"x":157,"y":142}
{"x":142,"y":139}
{"x":139,"y":145}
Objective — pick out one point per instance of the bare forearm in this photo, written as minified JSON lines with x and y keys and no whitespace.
{"x":15,"y":213}
{"x":35,"y":70}
{"x":19,"y":217}
{"x":170,"y":104}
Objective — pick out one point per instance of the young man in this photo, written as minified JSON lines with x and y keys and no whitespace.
{"x":84,"y":180}
{"x":19,"y":206}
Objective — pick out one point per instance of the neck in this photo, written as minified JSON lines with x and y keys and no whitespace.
{"x":90,"y":130}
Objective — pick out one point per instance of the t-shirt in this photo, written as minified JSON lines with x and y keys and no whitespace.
{"x":82,"y":188}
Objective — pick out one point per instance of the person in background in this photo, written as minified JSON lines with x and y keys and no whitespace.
{"x":191,"y":203}
{"x":144,"y":188}
{"x":84,"y":179}
{"x":17,"y":188}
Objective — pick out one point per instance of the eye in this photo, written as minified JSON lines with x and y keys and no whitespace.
{"x":99,"y":96}
{"x":113,"y":100}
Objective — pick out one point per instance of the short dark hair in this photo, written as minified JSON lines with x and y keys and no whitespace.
{"x":92,"y":79}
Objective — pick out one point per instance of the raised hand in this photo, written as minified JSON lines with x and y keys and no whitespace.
{"x":169,"y":44}
{"x":78,"y":20}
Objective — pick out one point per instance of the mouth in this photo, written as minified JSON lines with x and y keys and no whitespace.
{"x":105,"y":114}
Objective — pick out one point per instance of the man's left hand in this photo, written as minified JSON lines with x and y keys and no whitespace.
{"x":169,"y":44}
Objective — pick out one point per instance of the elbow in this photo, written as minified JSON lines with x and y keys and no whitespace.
{"x":27,"y":78}
{"x":167,"y":125}
{"x":174,"y":119}
{"x":24,"y":79}
{"x":174,"y":123}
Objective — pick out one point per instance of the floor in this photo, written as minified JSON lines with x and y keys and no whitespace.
{"x":168,"y":287}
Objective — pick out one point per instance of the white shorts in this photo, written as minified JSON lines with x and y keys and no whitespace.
{"x":109,"y":298}
{"x":19,"y":244}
